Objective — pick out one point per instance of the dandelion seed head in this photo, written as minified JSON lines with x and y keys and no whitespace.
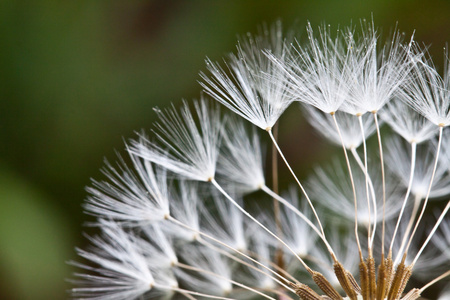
{"x":195,"y":210}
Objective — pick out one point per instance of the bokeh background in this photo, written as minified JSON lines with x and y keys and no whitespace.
{"x":77,"y":78}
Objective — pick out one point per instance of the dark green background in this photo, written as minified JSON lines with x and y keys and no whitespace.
{"x":79,"y":77}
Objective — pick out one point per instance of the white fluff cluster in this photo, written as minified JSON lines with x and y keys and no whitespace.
{"x":193,"y":212}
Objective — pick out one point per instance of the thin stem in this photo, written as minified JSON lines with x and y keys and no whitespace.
{"x":408,"y":191}
{"x":429,"y":189}
{"x":434,"y":281}
{"x":276,"y":204}
{"x":430,"y":235}
{"x":273,"y":265}
{"x":333,"y":115}
{"x":187,"y":292}
{"x":279,"y":293}
{"x":170,"y":218}
{"x":383,"y":180}
{"x":187,"y":295}
{"x":301,"y":215}
{"x":298,"y":181}
{"x":414,"y":211}
{"x":366,"y":175}
{"x":187,"y":267}
{"x":311,"y":258}
{"x":214,"y":182}
{"x":372,"y":190}
{"x":231,"y":256}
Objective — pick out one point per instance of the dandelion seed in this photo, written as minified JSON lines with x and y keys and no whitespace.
{"x":184,"y":206}
{"x":376,"y":74}
{"x":225,"y":222}
{"x":427,"y":91}
{"x":255,"y":89}
{"x":122,"y":271}
{"x":316,"y":73}
{"x":188,"y":149}
{"x":133,"y":197}
{"x":408,"y":123}
{"x":241,"y":160}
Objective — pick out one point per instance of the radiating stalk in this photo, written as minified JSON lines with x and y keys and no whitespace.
{"x":430,"y":235}
{"x":366,"y":174}
{"x":437,"y":279}
{"x":175,"y":221}
{"x":301,"y":215}
{"x":221,"y":190}
{"x":383,"y":180}
{"x":231,"y":256}
{"x":429,"y":189}
{"x":408,"y":191}
{"x":406,"y":232}
{"x":187,"y":295}
{"x":188,"y":267}
{"x":190,"y":293}
{"x":333,"y":115}
{"x":276,"y":205}
{"x":273,"y":265}
{"x":298,"y":181}
{"x":371,"y":188}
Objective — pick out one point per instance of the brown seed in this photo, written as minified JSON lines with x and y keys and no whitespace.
{"x":397,"y":281}
{"x":326,"y":286}
{"x":372,"y":278}
{"x":412,"y":295}
{"x":364,"y":277}
{"x":354,"y":283}
{"x":382,"y":280}
{"x":341,"y":275}
{"x":406,"y":276}
{"x":305,"y":292}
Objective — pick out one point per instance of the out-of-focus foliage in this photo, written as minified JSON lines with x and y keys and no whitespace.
{"x":76,"y":77}
{"x":35,"y":241}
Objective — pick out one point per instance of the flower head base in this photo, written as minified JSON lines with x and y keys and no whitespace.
{"x":356,"y":233}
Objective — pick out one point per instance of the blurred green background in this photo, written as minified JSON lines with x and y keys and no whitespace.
{"x":79,"y":77}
